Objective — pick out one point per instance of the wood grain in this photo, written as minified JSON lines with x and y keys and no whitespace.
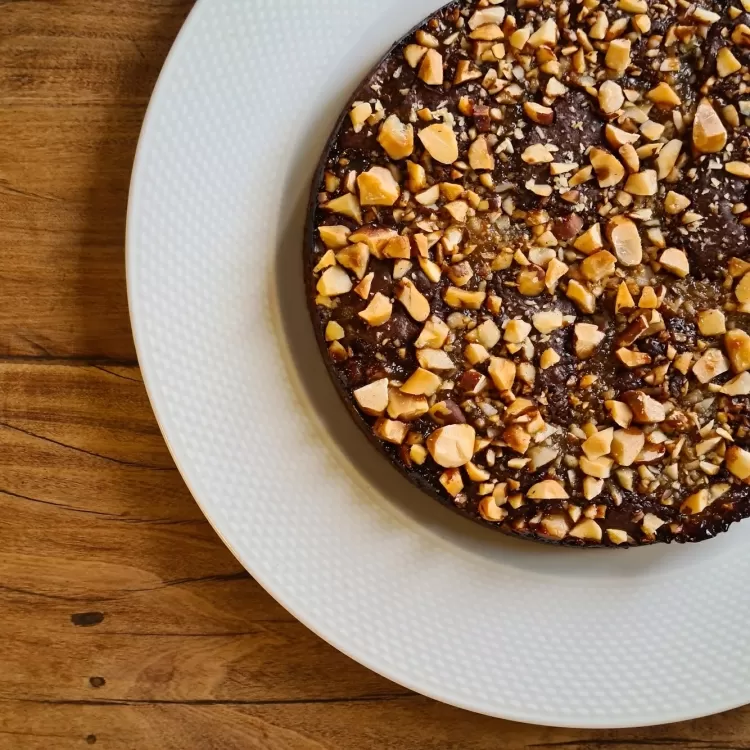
{"x":124,"y":622}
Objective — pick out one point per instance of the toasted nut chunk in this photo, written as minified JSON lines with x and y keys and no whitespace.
{"x":406,"y":406}
{"x":709,"y":134}
{"x":396,"y":138}
{"x":517,"y":438}
{"x":632,"y":358}
{"x":667,"y":158}
{"x":664,"y":95}
{"x":617,"y":536}
{"x":696,"y":503}
{"x":413,"y":300}
{"x":418,"y":454}
{"x":452,"y":481}
{"x":378,"y":311}
{"x":531,"y":281}
{"x":617,"y":137}
{"x":391,"y":431}
{"x":480,"y":156}
{"x":675,"y":261}
{"x":516,"y":331}
{"x":648,"y":299}
{"x":548,"y":321}
{"x":461,"y":299}
{"x":334,"y":237}
{"x":592,"y":487}
{"x":598,"y":444}
{"x":484,"y":16}
{"x":737,"y":386}
{"x":737,"y":344}
{"x":582,"y":297}
{"x":503,"y":373}
{"x":582,"y":175}
{"x":712,"y":322}
{"x":346,"y":205}
{"x":646,"y":410}
{"x":596,"y":467}
{"x":555,"y":526}
{"x":546,"y":35}
{"x":611,"y":97}
{"x":490,"y":510}
{"x":334,"y":281}
{"x":538,"y":113}
{"x":413,"y":54}
{"x":373,"y":398}
{"x":549,"y":489}
{"x":590,"y":241}
{"x":651,"y":524}
{"x":440,"y":142}
{"x":433,"y":335}
{"x":476,"y":474}
{"x":452,"y":446}
{"x":624,"y":299}
{"x":363,"y":288}
{"x":397,"y":247}
{"x":431,"y":69}
{"x":652,"y":130}
{"x":359,"y":114}
{"x":727,"y":63}
{"x":741,"y":34}
{"x":377,"y":187}
{"x":422,"y":383}
{"x":328,"y":259}
{"x":549,"y":358}
{"x":738,"y":462}
{"x":537,"y":154}
{"x":587,"y":529}
{"x":355,"y":258}
{"x":627,"y":445}
{"x":598,"y":266}
{"x":675,"y":203}
{"x":587,"y":339}
{"x":742,"y":291}
{"x":555,"y":271}
{"x":642,"y":183}
{"x":608,"y":169}
{"x":489,"y":32}
{"x":417,"y":176}
{"x":487,"y":334}
{"x":618,"y":55}
{"x":376,"y":238}
{"x":435,"y":359}
{"x":738,"y":169}
{"x":712,"y":364}
{"x":630,"y":156}
{"x":476,"y":353}
{"x":334,"y":331}
{"x":620,"y":412}
{"x":458,"y":211}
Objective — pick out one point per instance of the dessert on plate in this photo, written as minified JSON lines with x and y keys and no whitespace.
{"x":529,"y":270}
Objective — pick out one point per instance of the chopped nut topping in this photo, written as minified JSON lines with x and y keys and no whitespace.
{"x":440,"y":142}
{"x":452,"y":446}
{"x":529,"y":267}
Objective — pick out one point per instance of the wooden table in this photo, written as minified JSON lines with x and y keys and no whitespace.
{"x":124,"y":622}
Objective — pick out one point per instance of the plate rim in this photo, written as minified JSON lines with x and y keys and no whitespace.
{"x":172,"y":438}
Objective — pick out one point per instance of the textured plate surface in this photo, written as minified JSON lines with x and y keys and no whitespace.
{"x":553,"y":636}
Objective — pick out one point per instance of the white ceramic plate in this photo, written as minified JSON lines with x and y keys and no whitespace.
{"x":513,"y":629}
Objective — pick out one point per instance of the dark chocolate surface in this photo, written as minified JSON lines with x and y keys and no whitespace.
{"x":561,"y":393}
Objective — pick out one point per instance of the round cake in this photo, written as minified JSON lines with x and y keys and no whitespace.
{"x":528,"y":265}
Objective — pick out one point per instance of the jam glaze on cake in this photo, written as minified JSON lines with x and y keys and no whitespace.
{"x":529,"y":269}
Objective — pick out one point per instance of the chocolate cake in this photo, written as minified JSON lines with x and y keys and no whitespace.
{"x":529,"y":271}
